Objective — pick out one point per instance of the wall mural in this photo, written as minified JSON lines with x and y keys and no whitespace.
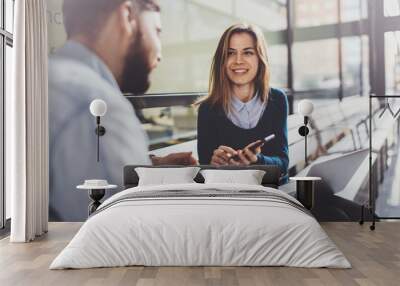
{"x":95,"y":55}
{"x":206,"y":90}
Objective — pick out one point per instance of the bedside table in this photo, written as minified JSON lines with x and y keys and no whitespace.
{"x":96,"y":193}
{"x":305,"y":190}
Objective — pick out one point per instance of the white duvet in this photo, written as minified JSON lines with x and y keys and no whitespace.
{"x":200,"y":231}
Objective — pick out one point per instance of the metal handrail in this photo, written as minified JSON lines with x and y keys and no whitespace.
{"x":164,"y":99}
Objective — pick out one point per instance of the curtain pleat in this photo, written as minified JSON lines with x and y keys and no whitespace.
{"x":29,"y":159}
{"x":15,"y":128}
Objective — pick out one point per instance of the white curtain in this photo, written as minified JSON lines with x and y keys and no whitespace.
{"x":27,"y":124}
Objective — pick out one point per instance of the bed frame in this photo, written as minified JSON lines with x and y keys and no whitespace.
{"x":270,"y":179}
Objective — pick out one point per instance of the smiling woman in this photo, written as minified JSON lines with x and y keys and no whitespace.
{"x":241,"y":108}
{"x":242,"y":63}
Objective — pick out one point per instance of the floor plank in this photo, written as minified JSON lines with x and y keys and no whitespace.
{"x":374,"y":255}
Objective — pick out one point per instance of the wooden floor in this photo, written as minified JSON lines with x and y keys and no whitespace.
{"x":375,"y":257}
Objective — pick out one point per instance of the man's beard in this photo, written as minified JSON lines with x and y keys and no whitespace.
{"x":135,"y":77}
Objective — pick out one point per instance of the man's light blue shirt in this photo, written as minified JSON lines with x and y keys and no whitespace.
{"x":76,"y":77}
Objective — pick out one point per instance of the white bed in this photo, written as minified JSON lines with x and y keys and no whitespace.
{"x":250,"y":225}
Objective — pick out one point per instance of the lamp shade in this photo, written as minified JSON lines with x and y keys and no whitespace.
{"x":98,"y":107}
{"x":305,"y":107}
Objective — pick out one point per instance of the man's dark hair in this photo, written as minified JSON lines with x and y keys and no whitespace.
{"x":87,"y":16}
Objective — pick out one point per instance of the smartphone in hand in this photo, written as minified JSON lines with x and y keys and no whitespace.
{"x":255,"y":146}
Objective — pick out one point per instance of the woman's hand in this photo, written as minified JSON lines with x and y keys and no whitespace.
{"x":248,"y":155}
{"x":222,"y":156}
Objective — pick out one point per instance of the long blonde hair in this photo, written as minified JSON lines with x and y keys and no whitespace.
{"x":219,"y":91}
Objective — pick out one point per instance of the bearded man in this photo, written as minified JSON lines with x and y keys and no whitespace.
{"x":112,"y":47}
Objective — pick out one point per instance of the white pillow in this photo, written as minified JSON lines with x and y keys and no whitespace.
{"x":163,"y":176}
{"x":248,"y":177}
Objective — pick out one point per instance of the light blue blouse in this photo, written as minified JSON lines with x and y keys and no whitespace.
{"x":246,"y":114}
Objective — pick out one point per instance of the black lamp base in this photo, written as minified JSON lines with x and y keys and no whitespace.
{"x":100,"y":130}
{"x":303,"y":130}
{"x":96,"y":195}
{"x":305,"y":193}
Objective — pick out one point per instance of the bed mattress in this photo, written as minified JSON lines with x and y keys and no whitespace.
{"x":201,"y":225}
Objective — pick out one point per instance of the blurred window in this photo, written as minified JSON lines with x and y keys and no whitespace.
{"x":9,"y":15}
{"x":309,"y":13}
{"x":6,"y":70}
{"x":353,"y":10}
{"x":391,"y":8}
{"x":190,"y":40}
{"x":314,"y":69}
{"x":392,"y":62}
